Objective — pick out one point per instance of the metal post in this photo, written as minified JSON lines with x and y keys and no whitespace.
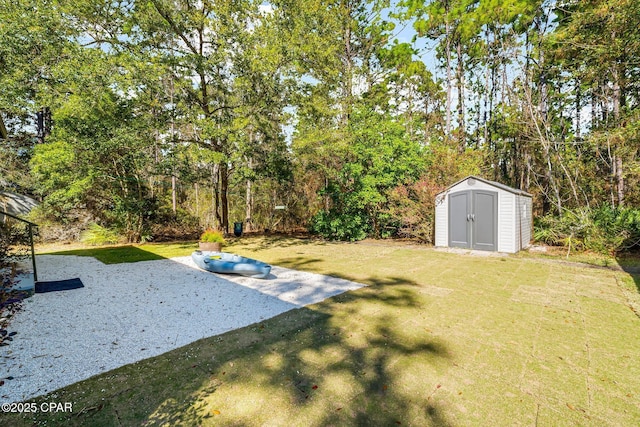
{"x":33,"y":254}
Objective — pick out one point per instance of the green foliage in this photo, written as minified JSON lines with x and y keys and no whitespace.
{"x":379,"y":158}
{"x":33,"y":38}
{"x":97,"y":235}
{"x":604,"y":229}
{"x":212,"y":236}
{"x":97,"y":155}
{"x":60,"y":176}
{"x":147,"y":93}
{"x":165,"y":226}
{"x":341,"y":225}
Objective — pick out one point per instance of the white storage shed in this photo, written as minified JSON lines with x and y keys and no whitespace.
{"x":476,"y":213}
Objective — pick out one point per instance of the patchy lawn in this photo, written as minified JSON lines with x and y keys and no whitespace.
{"x":435,"y":339}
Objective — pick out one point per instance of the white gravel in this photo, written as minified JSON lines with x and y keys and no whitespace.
{"x":129,"y":312}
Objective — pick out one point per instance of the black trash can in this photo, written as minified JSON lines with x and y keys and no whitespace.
{"x":237,"y":229}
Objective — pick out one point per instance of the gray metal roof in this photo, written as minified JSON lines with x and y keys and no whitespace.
{"x":492,"y":183}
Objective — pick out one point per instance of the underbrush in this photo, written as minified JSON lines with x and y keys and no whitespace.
{"x":97,"y":235}
{"x":606,"y":230}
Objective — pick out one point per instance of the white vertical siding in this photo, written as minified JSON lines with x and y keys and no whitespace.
{"x":529,"y":222}
{"x":441,"y":237}
{"x":506,"y":221}
{"x":525,"y":212}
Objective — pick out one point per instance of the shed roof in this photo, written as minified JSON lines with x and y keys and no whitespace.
{"x":492,"y":183}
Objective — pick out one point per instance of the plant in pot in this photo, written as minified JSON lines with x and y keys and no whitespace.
{"x":211,"y":240}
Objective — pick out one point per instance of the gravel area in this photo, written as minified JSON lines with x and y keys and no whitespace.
{"x":129,"y":312}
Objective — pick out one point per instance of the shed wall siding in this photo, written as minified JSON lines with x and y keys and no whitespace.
{"x":442,"y":222}
{"x":525,"y":212}
{"x":506,"y":221}
{"x":529,"y":228}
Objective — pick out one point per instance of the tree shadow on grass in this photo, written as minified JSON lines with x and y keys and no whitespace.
{"x":630,"y":263}
{"x":350,"y":360}
{"x":297,"y":263}
{"x":260,"y":243}
{"x":636,"y":279}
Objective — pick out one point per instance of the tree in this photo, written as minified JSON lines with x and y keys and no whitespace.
{"x":452,"y":23}
{"x":99,"y":152}
{"x":379,"y":158}
{"x":597,"y":43}
{"x":33,"y":41}
{"x":365,"y":72}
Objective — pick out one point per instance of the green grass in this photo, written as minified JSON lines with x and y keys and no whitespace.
{"x":435,"y":339}
{"x":131,"y":253}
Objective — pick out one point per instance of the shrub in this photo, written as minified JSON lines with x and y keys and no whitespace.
{"x":97,"y":235}
{"x":340,"y":226}
{"x":167,"y":226}
{"x":52,"y":229}
{"x":413,"y":208}
{"x":605,"y":229}
{"x":212,"y":236}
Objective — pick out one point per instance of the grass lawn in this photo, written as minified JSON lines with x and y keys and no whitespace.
{"x":435,"y":339}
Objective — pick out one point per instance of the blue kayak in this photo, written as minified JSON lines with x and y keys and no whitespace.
{"x":226,"y":263}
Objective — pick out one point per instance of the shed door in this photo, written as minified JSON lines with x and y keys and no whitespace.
{"x":484,"y":220}
{"x":459,"y":224}
{"x":473,"y":220}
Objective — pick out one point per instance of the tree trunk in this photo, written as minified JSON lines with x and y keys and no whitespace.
{"x":249,"y":206}
{"x":348,"y":64}
{"x":327,"y":200}
{"x":549,"y":175}
{"x":460,"y":82}
{"x":525,"y":182}
{"x":224,"y":201}
{"x":538,"y":117}
{"x":619,"y":179}
{"x":249,"y":193}
{"x":197,"y":187}
{"x":578,"y":108}
{"x":174,"y":201}
{"x":447,"y":128}
{"x":215,"y":189}
{"x":617,"y":76}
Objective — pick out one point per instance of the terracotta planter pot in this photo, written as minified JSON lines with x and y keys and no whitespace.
{"x":210,"y":246}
